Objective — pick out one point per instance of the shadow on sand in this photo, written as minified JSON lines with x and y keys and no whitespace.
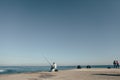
{"x":46,"y":75}
{"x":108,"y":74}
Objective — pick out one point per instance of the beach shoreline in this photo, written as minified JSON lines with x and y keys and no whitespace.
{"x":73,"y":74}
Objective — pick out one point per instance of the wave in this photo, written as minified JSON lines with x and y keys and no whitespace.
{"x":2,"y":70}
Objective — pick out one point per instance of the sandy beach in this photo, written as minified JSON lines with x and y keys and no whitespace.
{"x":75,"y":74}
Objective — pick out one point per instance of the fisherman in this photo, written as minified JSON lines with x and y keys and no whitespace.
{"x":53,"y":67}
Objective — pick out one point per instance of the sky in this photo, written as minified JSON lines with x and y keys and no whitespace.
{"x":68,"y":32}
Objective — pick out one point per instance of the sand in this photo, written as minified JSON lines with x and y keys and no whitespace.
{"x":75,"y":74}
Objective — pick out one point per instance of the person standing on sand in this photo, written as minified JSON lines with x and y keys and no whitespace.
{"x":114,"y":63}
{"x":117,"y":64}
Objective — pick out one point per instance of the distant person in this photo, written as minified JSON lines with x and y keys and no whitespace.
{"x":117,"y":64}
{"x":53,"y":67}
{"x":78,"y":67}
{"x":114,"y":64}
{"x":88,"y":66}
{"x":109,"y":67}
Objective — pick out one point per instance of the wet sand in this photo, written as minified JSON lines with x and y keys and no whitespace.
{"x":75,"y":74}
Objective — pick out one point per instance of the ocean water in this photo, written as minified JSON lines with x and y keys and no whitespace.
{"x":24,"y":69}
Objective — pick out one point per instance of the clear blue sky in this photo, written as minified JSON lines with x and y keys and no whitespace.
{"x":69,"y":32}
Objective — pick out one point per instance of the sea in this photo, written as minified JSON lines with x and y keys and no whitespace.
{"x":26,"y":69}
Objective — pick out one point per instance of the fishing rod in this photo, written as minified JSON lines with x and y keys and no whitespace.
{"x":47,"y":60}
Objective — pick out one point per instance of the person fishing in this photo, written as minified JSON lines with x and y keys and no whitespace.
{"x":53,"y":67}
